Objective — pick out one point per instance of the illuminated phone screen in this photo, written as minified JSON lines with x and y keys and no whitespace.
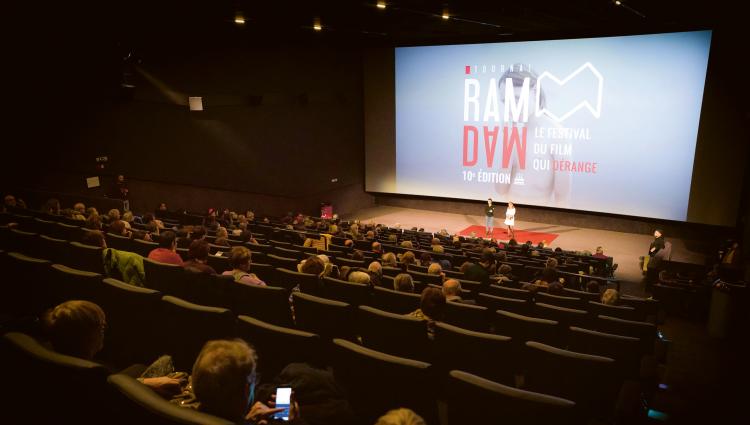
{"x":283,"y":399}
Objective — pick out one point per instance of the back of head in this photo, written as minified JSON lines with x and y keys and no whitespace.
{"x":127,"y":216}
{"x":375,"y":267}
{"x":198,"y":250}
{"x":432,"y":303}
{"x":199,"y":232}
{"x":555,"y":288}
{"x":425,"y":258}
{"x":147,"y":218}
{"x":359,"y":277}
{"x":551,"y":263}
{"x":239,"y":256}
{"x":389,"y":259}
{"x":403,"y":283}
{"x":117,"y":227}
{"x":400,"y":416}
{"x":114,"y":215}
{"x":313,"y":265}
{"x":167,"y":239}
{"x":438,"y":249}
{"x":76,"y":328}
{"x":407,"y":244}
{"x":221,"y":376}
{"x":408,"y":258}
{"x":505,"y":270}
{"x":434,"y":268}
{"x":451,"y":287}
{"x":376,"y":246}
{"x":358,"y":255}
{"x":610,"y":297}
{"x":549,"y":275}
{"x":592,"y":286}
{"x":94,"y":238}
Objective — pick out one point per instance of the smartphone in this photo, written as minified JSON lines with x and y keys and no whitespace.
{"x":283,"y":399}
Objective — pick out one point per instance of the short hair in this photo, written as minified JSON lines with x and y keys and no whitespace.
{"x":93,"y":238}
{"x":93,"y":222}
{"x":407,"y":244}
{"x":238,"y":256}
{"x":80,"y":207}
{"x":592,"y":286}
{"x":359,"y":277}
{"x":403,"y":282}
{"x":376,"y":246}
{"x":312,"y":265}
{"x":389,"y":259}
{"x":408,"y":258}
{"x":549,"y":275}
{"x":358,"y":255}
{"x":198,"y":232}
{"x":434,"y":268}
{"x":451,"y":287}
{"x":432,"y":303}
{"x":117,"y":228}
{"x":375,"y":267}
{"x":147,"y":218}
{"x":221,"y":232}
{"x":198,"y":249}
{"x":610,"y":296}
{"x":74,"y":326}
{"x":400,"y":416}
{"x":127,"y":216}
{"x":505,"y":269}
{"x":220,"y":377}
{"x":555,"y":288}
{"x":113,"y":214}
{"x":348,"y":243}
{"x":599,"y":250}
{"x":167,"y":239}
{"x":438,"y":248}
{"x":551,"y":263}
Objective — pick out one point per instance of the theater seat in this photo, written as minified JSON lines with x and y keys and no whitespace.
{"x":393,"y":333}
{"x":476,"y":400}
{"x":165,"y":278}
{"x":26,"y":286}
{"x":86,"y":257}
{"x":71,"y":284}
{"x":289,"y":279}
{"x":327,"y":318}
{"x":524,"y":328}
{"x":625,"y":350}
{"x":490,"y":356}
{"x":394,"y":301}
{"x":55,"y":250}
{"x":349,"y":292}
{"x":559,"y":301}
{"x":467,"y":316}
{"x":621,"y":312}
{"x":135,"y":403}
{"x":513,"y":305}
{"x":502,"y":291}
{"x":267,"y":303}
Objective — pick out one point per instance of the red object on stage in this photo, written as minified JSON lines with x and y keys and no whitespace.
{"x":326,"y":211}
{"x":501,"y":234}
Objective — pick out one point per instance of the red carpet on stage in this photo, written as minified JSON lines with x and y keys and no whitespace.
{"x":501,"y":235}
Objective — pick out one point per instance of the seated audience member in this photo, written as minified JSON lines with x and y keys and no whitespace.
{"x":438,"y":249}
{"x":222,"y":241}
{"x":167,"y":250}
{"x":118,"y":228}
{"x":127,"y":218}
{"x":425,"y":259}
{"x":452,"y":291}
{"x":389,"y":260}
{"x":475,"y":272}
{"x":551,"y":263}
{"x":408,"y":259}
{"x":9,"y":202}
{"x":431,"y":308}
{"x":370,"y":235}
{"x":210,"y":221}
{"x":152,"y":224}
{"x":52,"y":207}
{"x":504,"y":275}
{"x":223,"y":380}
{"x":222,"y":232}
{"x":198,"y":232}
{"x":403,"y":282}
{"x":94,"y":238}
{"x":357,"y":255}
{"x":357,"y":276}
{"x":78,"y":212}
{"x":240,"y":261}
{"x":556,"y":288}
{"x":611,"y":297}
{"x":599,"y":253}
{"x":436,"y":268}
{"x":94,"y":222}
{"x":375,"y":269}
{"x":113,"y":215}
{"x":312,"y":265}
{"x":547,"y":276}
{"x":344,"y":272}
{"x":377,"y":248}
{"x":592,"y":286}
{"x":487,"y":261}
{"x":349,"y":243}
{"x":76,"y":328}
{"x":400,"y":416}
{"x":198,"y":262}
{"x":407,"y":245}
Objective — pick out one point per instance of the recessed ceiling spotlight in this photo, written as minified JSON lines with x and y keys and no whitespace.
{"x":380,"y":5}
{"x":316,"y":25}
{"x":618,"y":2}
{"x":446,"y":15}
{"x":239,"y":18}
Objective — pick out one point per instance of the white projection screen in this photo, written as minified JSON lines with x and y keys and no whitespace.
{"x":604,"y":124}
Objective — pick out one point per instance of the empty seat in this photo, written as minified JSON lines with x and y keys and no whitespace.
{"x":187,"y":327}
{"x":278,"y":346}
{"x":208,"y":289}
{"x":348,"y":292}
{"x":644,"y":331}
{"x":55,"y":250}
{"x":476,"y":400}
{"x":567,"y":302}
{"x":118,"y":242}
{"x":525,"y":328}
{"x":265,"y":272}
{"x":43,"y":227}
{"x":467,"y":316}
{"x":502,"y":291}
{"x":71,"y":284}
{"x":586,"y":296}
{"x":26,"y":285}
{"x":394,"y":301}
{"x":267,"y":303}
{"x":85,"y":257}
{"x":619,"y":311}
{"x":625,"y":350}
{"x":135,"y":403}
{"x":391,"y":271}
{"x":564,"y":316}
{"x":28,"y":367}
{"x":282,"y":262}
{"x":65,"y":231}
{"x":513,"y":305}
{"x":343,"y":261}
{"x":397,"y":334}
{"x":143,"y":248}
{"x":289,"y":253}
{"x":645,"y":309}
{"x":218,"y":263}
{"x":491,"y":356}
{"x":23,"y":242}
{"x":427,"y":278}
{"x":377,"y":382}
{"x":327,"y":318}
{"x":289,"y":279}
{"x":166,"y":278}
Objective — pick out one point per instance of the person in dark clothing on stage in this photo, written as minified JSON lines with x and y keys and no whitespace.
{"x":489,"y":212}
{"x":657,"y":244}
{"x":120,"y":191}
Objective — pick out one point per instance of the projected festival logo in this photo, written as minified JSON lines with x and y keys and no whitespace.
{"x":535,"y":160}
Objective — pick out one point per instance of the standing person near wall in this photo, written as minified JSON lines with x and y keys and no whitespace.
{"x":120,"y":191}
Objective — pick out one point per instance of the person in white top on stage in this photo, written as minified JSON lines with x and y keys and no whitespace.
{"x":510,"y":219}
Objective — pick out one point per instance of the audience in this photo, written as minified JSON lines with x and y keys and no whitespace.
{"x":376,"y":273}
{"x":611,"y":297}
{"x":198,"y":254}
{"x":400,"y":416}
{"x":389,"y":260}
{"x":599,"y":253}
{"x":431,"y":308}
{"x":403,"y":282}
{"x":452,"y":291}
{"x":240,"y":261}
{"x":167,"y":250}
{"x":357,"y":276}
{"x":592,"y":286}
{"x":94,"y":238}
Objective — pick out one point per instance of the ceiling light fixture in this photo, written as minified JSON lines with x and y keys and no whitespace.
{"x":239,"y":18}
{"x":380,"y":5}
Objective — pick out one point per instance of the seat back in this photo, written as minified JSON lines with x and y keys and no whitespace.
{"x":513,"y":305}
{"x":327,"y":318}
{"x":218,"y":263}
{"x":187,"y":327}
{"x":619,"y":311}
{"x":142,"y":247}
{"x":135,"y":403}
{"x":467,"y":316}
{"x":427,"y":278}
{"x":488,"y":355}
{"x":503,"y":291}
{"x":86,"y":257}
{"x":625,"y":350}
{"x":208,"y":289}
{"x":394,"y":301}
{"x":278,"y":346}
{"x":476,"y":400}
{"x":23,"y":242}
{"x":26,"y":287}
{"x":564,"y":316}
{"x":267,"y":303}
{"x":72,"y":284}
{"x":583,"y":295}
{"x":644,"y":331}
{"x":560,"y":301}
{"x":289,"y":279}
{"x":377,"y":382}
{"x":118,"y":242}
{"x":282,"y":262}
{"x":56,"y":250}
{"x":165,"y":278}
{"x":392,"y":333}
{"x":349,"y":292}
{"x":526,"y":328}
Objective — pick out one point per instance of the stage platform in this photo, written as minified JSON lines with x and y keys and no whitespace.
{"x":624,"y":247}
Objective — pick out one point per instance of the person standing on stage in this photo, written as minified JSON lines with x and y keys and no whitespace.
{"x":489,"y":212}
{"x":510,"y":219}
{"x":657,"y":244}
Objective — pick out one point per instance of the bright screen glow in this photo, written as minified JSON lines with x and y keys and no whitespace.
{"x":599,"y":124}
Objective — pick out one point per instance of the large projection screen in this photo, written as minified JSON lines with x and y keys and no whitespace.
{"x":597,"y":124}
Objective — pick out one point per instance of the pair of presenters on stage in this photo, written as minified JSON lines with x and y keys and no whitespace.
{"x":510,"y":218}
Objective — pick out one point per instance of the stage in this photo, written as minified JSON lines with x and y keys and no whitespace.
{"x":624,"y":247}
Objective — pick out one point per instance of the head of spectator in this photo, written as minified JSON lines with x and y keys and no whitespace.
{"x":118,"y":228}
{"x":452,"y":289}
{"x":438,"y":249}
{"x":465,"y":266}
{"x":370,"y":235}
{"x":94,"y":222}
{"x":114,"y":215}
{"x":240,"y":258}
{"x":333,"y":229}
{"x":592,"y":286}
{"x":52,"y":206}
{"x":79,"y":207}
{"x":375,"y":268}
{"x":549,"y":275}
{"x":555,"y":288}
{"x":407,"y":245}
{"x":357,"y":255}
{"x":389,"y":260}
{"x":9,"y":201}
{"x":147,"y":218}
{"x":505,"y":270}
{"x":408,"y":258}
{"x":162,"y":206}
{"x":400,"y":416}
{"x":432,"y":303}
{"x":221,"y":232}
{"x":127,"y":216}
{"x":551,"y":263}
{"x":357,"y":276}
{"x":376,"y":247}
{"x":198,"y":250}
{"x":168,"y":240}
{"x":349,"y":243}
{"x":222,"y":241}
{"x":512,"y":242}
{"x":94,"y":238}
{"x":403,"y":282}
{"x":312,"y":265}
{"x":199,"y":232}
{"x":611,"y":297}
{"x":223,"y":377}
{"x":435,"y":268}
{"x":425,"y":259}
{"x":76,"y":328}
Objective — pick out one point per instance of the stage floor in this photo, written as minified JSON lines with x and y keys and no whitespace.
{"x":624,"y":247}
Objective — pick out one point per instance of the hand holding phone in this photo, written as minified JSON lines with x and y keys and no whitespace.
{"x":283,"y":401}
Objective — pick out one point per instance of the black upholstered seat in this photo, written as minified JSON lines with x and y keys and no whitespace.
{"x":488,"y":355}
{"x":513,"y":305}
{"x":467,"y":316}
{"x":267,"y":303}
{"x":393,"y":333}
{"x":348,"y":292}
{"x":327,"y":318}
{"x":395,"y":301}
